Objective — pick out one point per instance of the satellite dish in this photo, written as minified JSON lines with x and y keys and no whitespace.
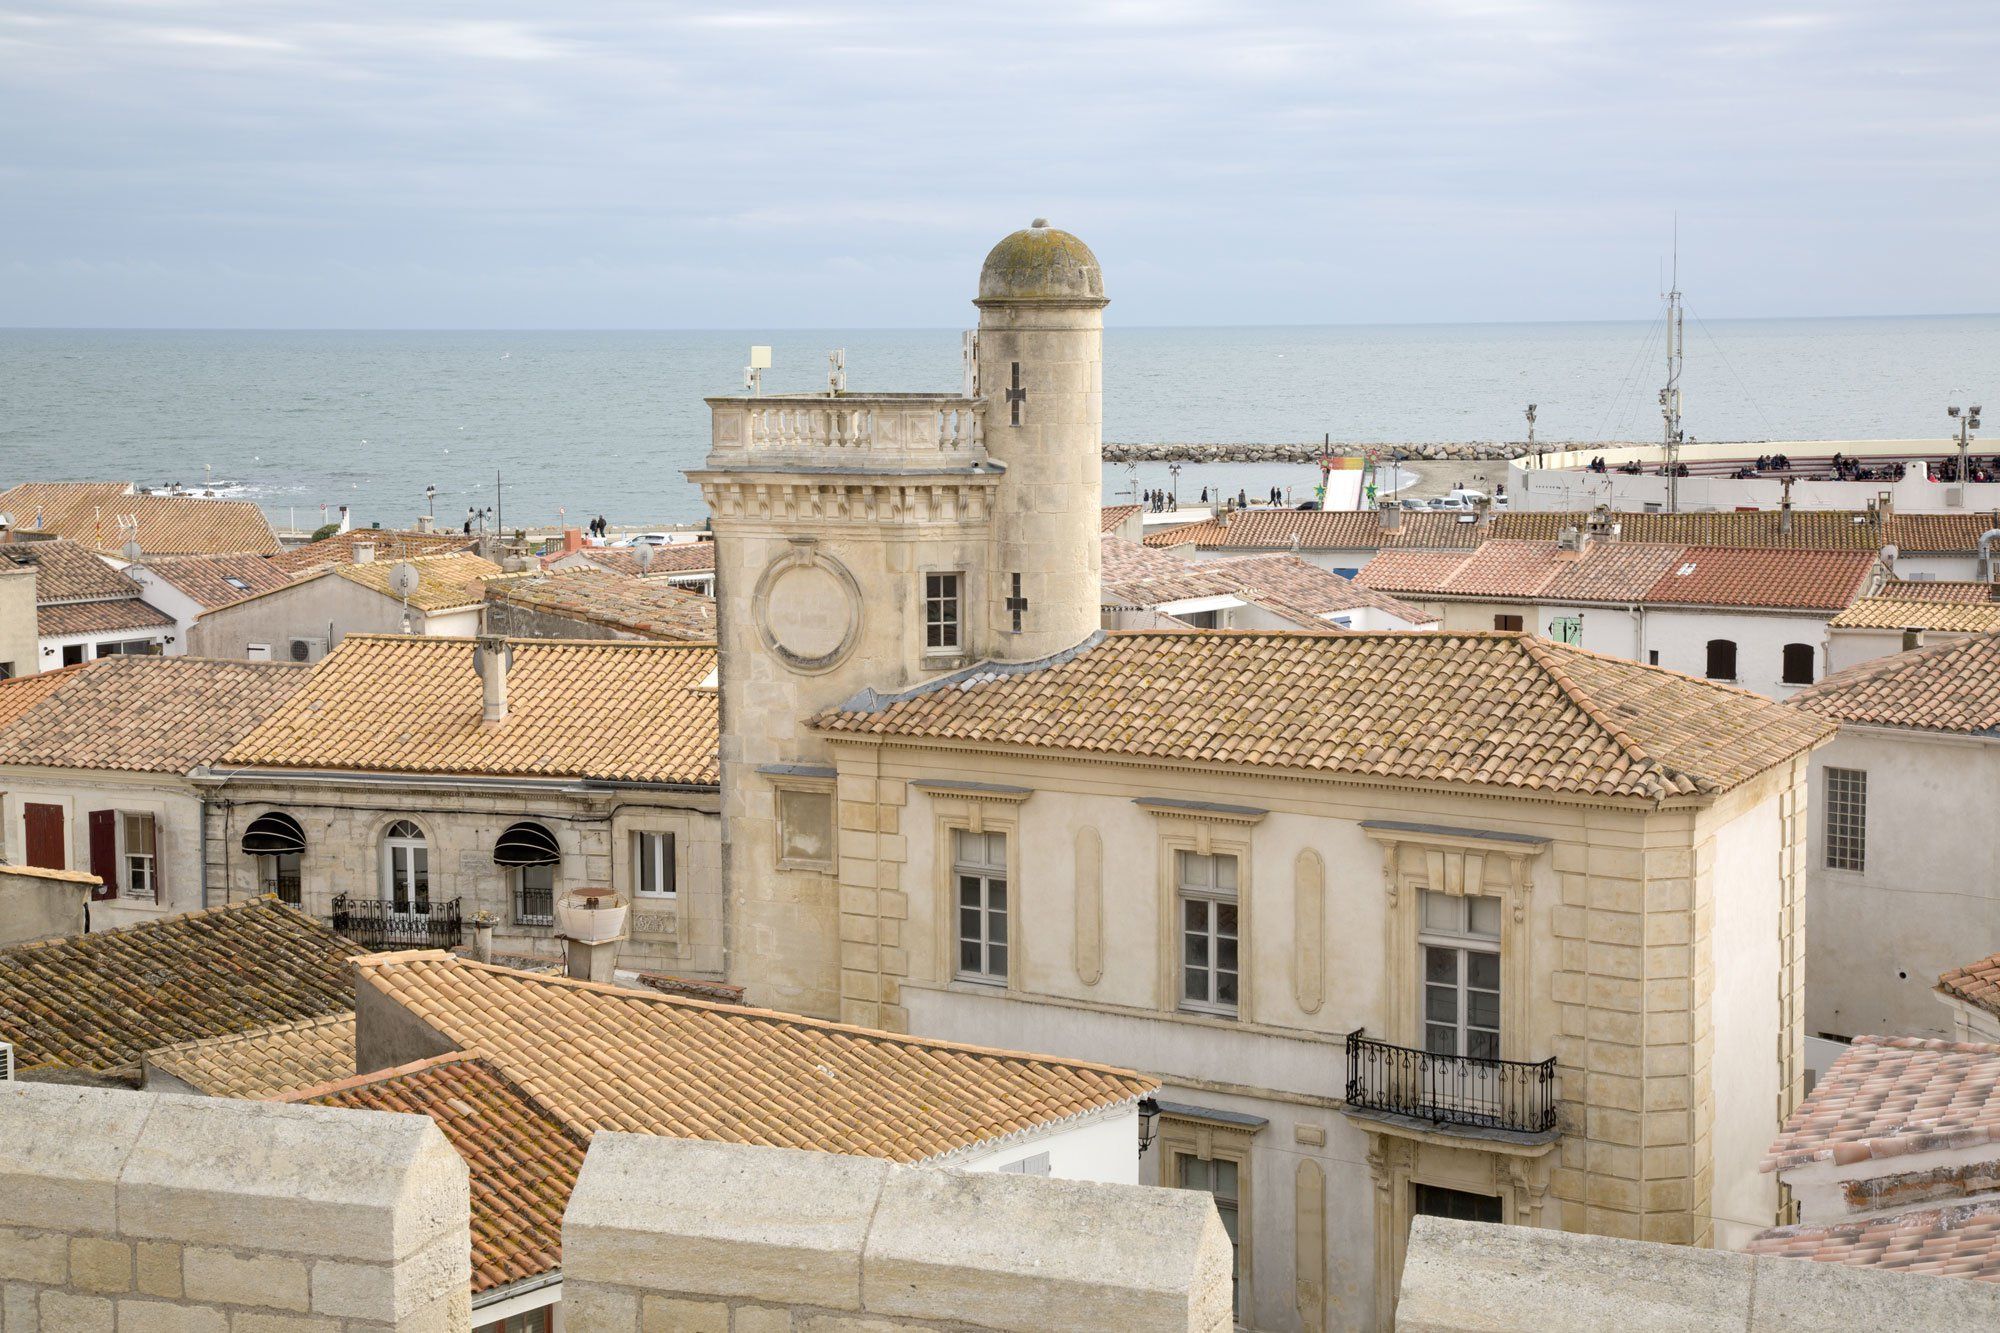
{"x":644,"y":555}
{"x":403,"y":580}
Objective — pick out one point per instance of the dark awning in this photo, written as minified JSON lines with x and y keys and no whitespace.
{"x":273,"y":834}
{"x":526,"y":844}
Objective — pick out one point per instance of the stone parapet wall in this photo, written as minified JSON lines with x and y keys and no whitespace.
{"x":139,"y":1212}
{"x":717,"y":1238}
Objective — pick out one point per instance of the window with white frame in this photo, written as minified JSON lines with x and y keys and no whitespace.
{"x":406,"y":868}
{"x":942,"y":615}
{"x":653,"y":865}
{"x":1206,"y":888}
{"x":1847,"y":818}
{"x":142,"y":861}
{"x":979,"y":869}
{"x":1460,"y":939}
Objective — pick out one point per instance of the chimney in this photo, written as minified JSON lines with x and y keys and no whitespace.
{"x":490,"y":659}
{"x":1785,"y":510}
{"x":425,"y":522}
{"x":364,"y":553}
{"x":1482,"y":510}
{"x":346,"y":519}
{"x":1389,"y":515}
{"x":572,"y":540}
{"x":1569,"y":546}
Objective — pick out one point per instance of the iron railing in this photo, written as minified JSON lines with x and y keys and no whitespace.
{"x":377,"y":925}
{"x":534,"y":907}
{"x":1450,"y":1089}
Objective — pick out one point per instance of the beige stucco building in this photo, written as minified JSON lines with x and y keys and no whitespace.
{"x":1460,"y":923}
{"x":304,"y":620}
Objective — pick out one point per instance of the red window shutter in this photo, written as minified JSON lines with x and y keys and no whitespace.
{"x":104,"y":852}
{"x":45,"y":835}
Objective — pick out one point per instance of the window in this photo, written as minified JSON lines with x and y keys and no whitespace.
{"x":278,"y":845}
{"x":979,"y":869}
{"x":530,"y":855}
{"x":1436,"y":1201}
{"x":72,"y":653}
{"x":1652,"y":657}
{"x":278,"y":874}
{"x":535,"y":895}
{"x":1222,"y":1179}
{"x":941,"y":614}
{"x":805,"y":829}
{"x":1799,"y":662}
{"x":1507,"y":622}
{"x":528,"y":1321}
{"x":653,"y":865}
{"x":1847,"y":819}
{"x":129,"y":648}
{"x":1207,"y":892}
{"x":1460,"y":939}
{"x":6,"y":671}
{"x":1567,"y":629}
{"x":141,"y":857}
{"x":406,"y":868}
{"x":1721,"y":659}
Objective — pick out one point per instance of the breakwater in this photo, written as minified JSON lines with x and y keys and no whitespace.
{"x":1306,"y":452}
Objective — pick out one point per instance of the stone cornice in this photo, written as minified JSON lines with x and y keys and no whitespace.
{"x":957,"y":499}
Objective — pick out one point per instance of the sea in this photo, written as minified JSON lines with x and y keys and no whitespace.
{"x":554,"y":427}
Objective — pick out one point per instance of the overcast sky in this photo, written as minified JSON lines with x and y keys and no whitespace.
{"x":390,"y":163}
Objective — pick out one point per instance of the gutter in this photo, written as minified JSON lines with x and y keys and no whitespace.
{"x":405,"y":781}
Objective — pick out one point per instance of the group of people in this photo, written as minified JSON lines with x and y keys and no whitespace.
{"x":1163,"y":502}
{"x":599,"y":526}
{"x":1781,"y":463}
{"x":1975,"y":470}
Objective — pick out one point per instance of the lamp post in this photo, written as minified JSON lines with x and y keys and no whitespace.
{"x":1531,"y":431}
{"x":1174,"y":471}
{"x":431,"y":499}
{"x":1968,"y":421}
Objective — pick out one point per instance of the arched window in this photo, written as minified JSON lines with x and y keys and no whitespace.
{"x":406,"y":868}
{"x":277,"y":844}
{"x":1799,"y":663}
{"x":1721,"y":659}
{"x":529,"y":852}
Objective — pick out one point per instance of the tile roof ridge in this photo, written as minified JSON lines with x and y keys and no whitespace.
{"x":253,"y":1034}
{"x":1934,"y":1045}
{"x":649,"y":996}
{"x":441,"y":640}
{"x":1546,"y":656}
{"x":291,"y":582}
{"x":220,"y":909}
{"x":352,"y":1081}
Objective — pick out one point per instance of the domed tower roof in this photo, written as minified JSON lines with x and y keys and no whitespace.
{"x":1041,"y":264}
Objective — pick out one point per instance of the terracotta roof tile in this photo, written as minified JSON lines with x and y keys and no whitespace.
{"x":99,"y":618}
{"x":672,"y":558}
{"x":1490,"y":710}
{"x":1975,"y":983}
{"x":1888,"y":1096}
{"x":88,"y":512}
{"x":1799,"y":580}
{"x":98,"y":1002}
{"x":1938,"y":534}
{"x":651,"y":608}
{"x":1957,"y":1240}
{"x":266,"y":1061}
{"x":143,"y":714}
{"x":213,"y":580}
{"x":1136,"y":576}
{"x":606,"y":1057}
{"x":1949,"y":605}
{"x":1308,"y":593}
{"x":1953,"y":686}
{"x":523,"y":1162}
{"x":389,"y":544}
{"x":1114,"y":516}
{"x":444,"y":582}
{"x":67,"y":572}
{"x":601,"y":709}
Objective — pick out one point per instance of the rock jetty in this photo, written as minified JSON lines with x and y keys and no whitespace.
{"x":1457,"y":450}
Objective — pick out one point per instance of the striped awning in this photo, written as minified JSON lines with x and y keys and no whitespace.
{"x":526,"y":844}
{"x":273,"y":834}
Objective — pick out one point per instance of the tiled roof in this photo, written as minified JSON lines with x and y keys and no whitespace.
{"x":88,"y":512}
{"x":1114,"y":516}
{"x":1427,"y":529}
{"x":98,"y":1002}
{"x":672,"y":558}
{"x":444,"y":582}
{"x":1949,"y":605}
{"x":1629,"y":572}
{"x":266,"y":1061}
{"x":144,"y":714}
{"x":1199,"y":533}
{"x":397,"y":703}
{"x":1887,"y":1096}
{"x":389,"y":544}
{"x":605,"y":1057}
{"x":65,"y":618}
{"x":1308,"y":593}
{"x":67,"y":572}
{"x":522,"y":1161}
{"x":213,"y":580}
{"x":1938,"y":534}
{"x":1136,"y":576}
{"x":1956,"y":1240}
{"x":21,"y":693}
{"x":1953,"y":686}
{"x":652,"y":608}
{"x":1488,"y":710}
{"x":1975,"y":983}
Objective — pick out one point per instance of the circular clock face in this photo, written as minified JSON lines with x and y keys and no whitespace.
{"x":808,"y":609}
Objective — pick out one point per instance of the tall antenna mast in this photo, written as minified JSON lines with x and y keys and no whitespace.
{"x":1670,"y":397}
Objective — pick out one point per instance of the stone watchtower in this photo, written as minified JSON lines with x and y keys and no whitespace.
{"x":878,"y":541}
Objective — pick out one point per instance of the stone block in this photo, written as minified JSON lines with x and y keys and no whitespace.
{"x":68,"y":1312}
{"x":1566,"y":988}
{"x":137,"y":1316}
{"x":1665,"y":928}
{"x":1669,"y":895}
{"x":17,"y":1308}
{"x":244,"y":1321}
{"x":98,"y":1264}
{"x":159,"y":1268}
{"x":1612,"y":1159}
{"x":1606,"y":1057}
{"x":714,"y":1220}
{"x":1668,"y":993}
{"x":664,"y":1314}
{"x":1622,"y":993}
{"x":1609,"y":1090}
{"x":840,"y":1323}
{"x":261,"y":1280}
{"x":61,"y":1151}
{"x":34,"y":1256}
{"x":1616,"y":927}
{"x":760,"y":1319}
{"x":1611,"y":1192}
{"x":1668,"y":960}
{"x":1627,"y":962}
{"x":1612,"y":1126}
{"x":1569,"y":857}
{"x":1607,"y":1025}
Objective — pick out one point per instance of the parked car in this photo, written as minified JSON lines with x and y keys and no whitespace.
{"x":644,"y":539}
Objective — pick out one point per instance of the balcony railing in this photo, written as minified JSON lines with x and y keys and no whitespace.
{"x":1450,"y":1089}
{"x":377,"y":925}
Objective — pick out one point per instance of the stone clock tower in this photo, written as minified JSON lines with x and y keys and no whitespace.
{"x":880,"y":542}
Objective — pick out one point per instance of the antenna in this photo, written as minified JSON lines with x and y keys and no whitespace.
{"x":753,"y":374}
{"x":1670,"y":396}
{"x":836,"y":370}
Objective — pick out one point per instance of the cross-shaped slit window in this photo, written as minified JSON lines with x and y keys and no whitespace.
{"x":1016,"y":395}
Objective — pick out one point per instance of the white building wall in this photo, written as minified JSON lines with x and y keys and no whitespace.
{"x":1104,"y":1148}
{"x":1929,"y":899}
{"x":1681,"y":638}
{"x":164,"y":596}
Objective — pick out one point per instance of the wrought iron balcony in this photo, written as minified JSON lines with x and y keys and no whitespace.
{"x":375,"y":924}
{"x":1448,"y":1090}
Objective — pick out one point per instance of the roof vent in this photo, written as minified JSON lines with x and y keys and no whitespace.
{"x":364,"y":553}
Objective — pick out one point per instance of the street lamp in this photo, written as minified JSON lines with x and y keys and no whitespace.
{"x":1531,"y":428}
{"x":431,"y":499}
{"x":1968,"y":421}
{"x":1174,"y":471}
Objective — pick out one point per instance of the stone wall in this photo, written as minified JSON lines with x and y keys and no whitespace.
{"x":38,"y":904}
{"x":162,"y":1214}
{"x":718,"y":1238}
{"x":1469,"y":1275}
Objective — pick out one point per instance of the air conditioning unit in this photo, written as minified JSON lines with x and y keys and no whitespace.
{"x":308,"y":650}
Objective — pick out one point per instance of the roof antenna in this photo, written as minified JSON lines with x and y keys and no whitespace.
{"x":1670,"y":396}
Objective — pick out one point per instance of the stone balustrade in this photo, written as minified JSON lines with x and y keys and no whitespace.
{"x":890,"y":428}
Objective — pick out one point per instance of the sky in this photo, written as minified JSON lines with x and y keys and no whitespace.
{"x":655,"y":164}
